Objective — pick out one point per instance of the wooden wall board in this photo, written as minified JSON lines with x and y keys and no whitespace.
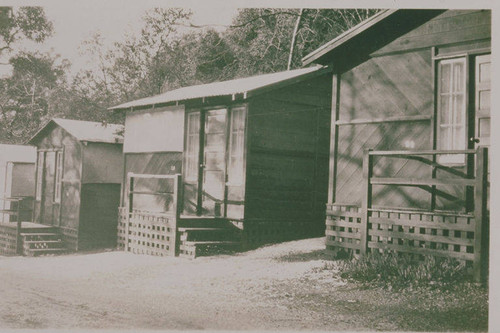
{"x":102,"y":163}
{"x":99,"y":216}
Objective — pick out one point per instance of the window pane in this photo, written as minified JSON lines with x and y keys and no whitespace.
{"x":444,"y":111}
{"x":459,"y":109}
{"x":445,"y":77}
{"x":484,"y":72}
{"x":459,"y":138}
{"x":484,"y":127}
{"x":216,"y":123}
{"x":236,"y":146}
{"x":192,"y":146}
{"x":451,"y":107}
{"x":458,"y":77}
{"x":484,"y":99}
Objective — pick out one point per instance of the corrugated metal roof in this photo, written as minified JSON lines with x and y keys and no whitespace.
{"x":87,"y":130}
{"x":224,"y":88}
{"x":91,"y":131}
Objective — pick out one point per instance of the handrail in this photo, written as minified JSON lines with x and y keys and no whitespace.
{"x":477,"y":180}
{"x":419,"y":152}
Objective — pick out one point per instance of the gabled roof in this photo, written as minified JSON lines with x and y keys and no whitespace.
{"x":85,"y":130}
{"x":246,"y":86}
{"x":347,"y":35}
{"x":369,"y":35}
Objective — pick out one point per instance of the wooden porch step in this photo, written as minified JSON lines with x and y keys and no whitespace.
{"x":193,"y":249}
{"x":45,"y":251}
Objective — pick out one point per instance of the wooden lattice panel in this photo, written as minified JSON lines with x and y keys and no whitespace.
{"x":69,"y":238}
{"x":151,"y":233}
{"x":343,"y":228}
{"x":422,"y":233}
{"x":8,"y":239}
{"x":121,"y":228}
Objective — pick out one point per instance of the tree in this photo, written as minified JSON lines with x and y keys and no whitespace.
{"x":33,"y":94}
{"x":25,"y":22}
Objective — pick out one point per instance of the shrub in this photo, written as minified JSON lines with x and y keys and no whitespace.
{"x":395,"y":271}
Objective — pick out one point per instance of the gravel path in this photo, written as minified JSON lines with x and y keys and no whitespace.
{"x":289,"y":286}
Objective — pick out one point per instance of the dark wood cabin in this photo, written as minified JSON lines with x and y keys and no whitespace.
{"x":78,"y":178}
{"x":252,"y":153}
{"x":412,"y":86}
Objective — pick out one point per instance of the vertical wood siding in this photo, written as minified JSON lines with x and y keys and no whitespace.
{"x":70,"y":199}
{"x":287,"y":161}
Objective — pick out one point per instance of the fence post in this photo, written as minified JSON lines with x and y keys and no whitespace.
{"x":19,"y":249}
{"x":480,"y":216}
{"x":178,"y":211}
{"x":366,"y":199}
{"x":128,"y":206}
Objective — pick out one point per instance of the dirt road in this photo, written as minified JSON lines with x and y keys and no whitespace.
{"x":286,"y":286}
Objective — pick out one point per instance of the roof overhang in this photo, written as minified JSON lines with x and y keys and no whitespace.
{"x":369,"y":35}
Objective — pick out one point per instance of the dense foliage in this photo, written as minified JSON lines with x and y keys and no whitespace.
{"x":168,"y":53}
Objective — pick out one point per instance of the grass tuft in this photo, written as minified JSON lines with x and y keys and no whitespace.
{"x":393,"y":271}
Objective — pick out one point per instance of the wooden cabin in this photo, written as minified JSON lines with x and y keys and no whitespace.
{"x":410,"y":132}
{"x":78,"y":177}
{"x":252,"y":154}
{"x":17,"y":180}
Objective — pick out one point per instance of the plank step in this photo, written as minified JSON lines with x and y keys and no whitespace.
{"x":39,"y":252}
{"x":183,"y":229}
{"x":42,"y":241}
{"x":195,"y":243}
{"x":39,"y":234}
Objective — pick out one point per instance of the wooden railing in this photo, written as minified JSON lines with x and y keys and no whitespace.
{"x":17,"y":209}
{"x":147,"y":232}
{"x":461,"y":235}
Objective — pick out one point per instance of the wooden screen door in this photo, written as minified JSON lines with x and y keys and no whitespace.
{"x":50,"y":185}
{"x":48,"y":182}
{"x":482,"y":105}
{"x":214,"y":162}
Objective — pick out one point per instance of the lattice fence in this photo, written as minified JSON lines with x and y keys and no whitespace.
{"x":412,"y":232}
{"x":343,"y":229}
{"x":151,"y":233}
{"x":8,"y":239}
{"x":422,"y":233}
{"x":121,"y":228}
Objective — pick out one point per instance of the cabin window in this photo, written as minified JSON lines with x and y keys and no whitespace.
{"x":39,"y":175}
{"x":58,"y":177}
{"x":192,"y":146}
{"x":451,"y":117}
{"x":236,"y":147}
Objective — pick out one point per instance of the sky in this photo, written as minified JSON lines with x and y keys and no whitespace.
{"x":76,"y":21}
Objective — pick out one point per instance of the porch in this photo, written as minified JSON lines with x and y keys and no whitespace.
{"x":30,"y":239}
{"x":166,"y":231}
{"x":461,"y":233}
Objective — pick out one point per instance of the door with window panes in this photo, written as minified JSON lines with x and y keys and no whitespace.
{"x":458,"y":129}
{"x":463,"y":109}
{"x":49,"y":186}
{"x":214,"y":160}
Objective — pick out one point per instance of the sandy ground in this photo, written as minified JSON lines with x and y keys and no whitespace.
{"x":284,"y":286}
